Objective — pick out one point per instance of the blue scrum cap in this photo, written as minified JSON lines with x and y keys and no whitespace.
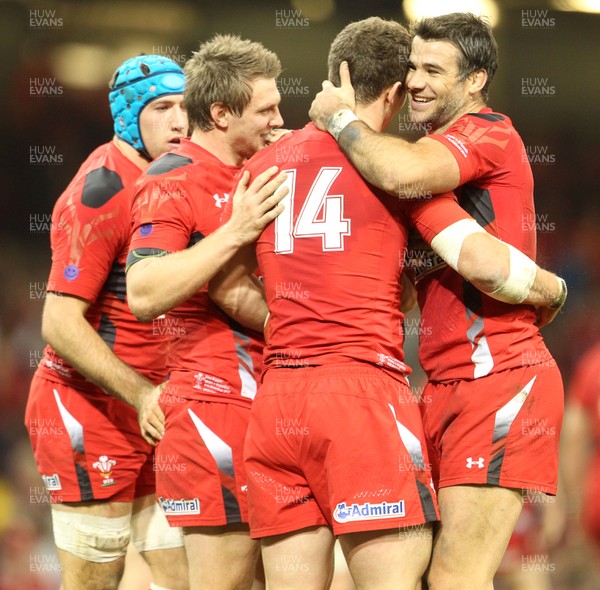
{"x":137,"y":82}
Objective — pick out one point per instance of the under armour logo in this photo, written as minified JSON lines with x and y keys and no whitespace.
{"x":219,"y":201}
{"x":479,"y":462}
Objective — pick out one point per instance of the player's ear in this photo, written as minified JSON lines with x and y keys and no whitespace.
{"x":477,"y":81}
{"x":394,"y":96}
{"x":220,"y":114}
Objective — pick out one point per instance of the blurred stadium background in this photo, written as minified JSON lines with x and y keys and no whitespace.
{"x":57,"y":58}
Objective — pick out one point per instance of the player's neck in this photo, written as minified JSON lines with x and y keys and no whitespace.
{"x":473,"y":106}
{"x":131,"y":153}
{"x":215,"y":142}
{"x":373,"y":114}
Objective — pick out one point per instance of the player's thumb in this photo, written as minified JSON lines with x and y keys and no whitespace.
{"x":345,"y":75}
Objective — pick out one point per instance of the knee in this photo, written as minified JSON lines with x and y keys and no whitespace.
{"x":98,"y":539}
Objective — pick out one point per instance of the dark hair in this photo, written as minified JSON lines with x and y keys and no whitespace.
{"x":377,"y":53}
{"x":223,"y":70}
{"x":471,"y":35}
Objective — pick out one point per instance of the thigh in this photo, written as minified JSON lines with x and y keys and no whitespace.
{"x":200,"y":477}
{"x":476,"y":525}
{"x":221,"y":558}
{"x":160,"y":545}
{"x":299,"y":560}
{"x":390,"y":559}
{"x":87,"y":447}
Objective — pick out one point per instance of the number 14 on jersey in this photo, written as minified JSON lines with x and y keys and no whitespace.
{"x":321,"y":216}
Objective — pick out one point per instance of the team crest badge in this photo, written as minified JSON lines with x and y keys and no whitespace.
{"x":105,"y":465}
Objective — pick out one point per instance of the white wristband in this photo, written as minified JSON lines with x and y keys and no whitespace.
{"x":339,"y":121}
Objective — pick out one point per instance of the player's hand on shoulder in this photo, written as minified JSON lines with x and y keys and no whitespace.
{"x":332,"y":99}
{"x":257,"y":203}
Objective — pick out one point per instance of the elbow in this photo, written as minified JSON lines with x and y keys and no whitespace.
{"x":392,"y":185}
{"x":141,"y":307}
{"x":143,"y":311}
{"x":485,"y":273}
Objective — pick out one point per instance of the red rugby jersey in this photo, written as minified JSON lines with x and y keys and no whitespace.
{"x":90,"y":231}
{"x":466,"y":334}
{"x":331,"y":262}
{"x":178,"y":201}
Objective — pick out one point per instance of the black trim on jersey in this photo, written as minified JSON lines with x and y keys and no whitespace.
{"x":100,"y":186}
{"x":195,"y":238}
{"x":142,"y":253}
{"x":115,"y":283}
{"x":167,"y":163}
{"x":107,"y":331}
{"x":477,"y":202}
{"x":488,"y":116}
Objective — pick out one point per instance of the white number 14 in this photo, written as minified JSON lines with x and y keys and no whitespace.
{"x":322,"y":215}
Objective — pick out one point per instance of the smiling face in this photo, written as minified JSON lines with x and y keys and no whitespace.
{"x":437,"y":95}
{"x":163,"y":123}
{"x":251,"y":131}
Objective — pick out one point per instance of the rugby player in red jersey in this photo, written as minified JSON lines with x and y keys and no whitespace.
{"x":100,"y":362}
{"x":490,"y":374}
{"x":178,"y":244}
{"x":335,"y":444}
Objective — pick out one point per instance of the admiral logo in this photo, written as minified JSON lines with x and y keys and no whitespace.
{"x":171,"y":506}
{"x":52,"y":482}
{"x":368,"y":511}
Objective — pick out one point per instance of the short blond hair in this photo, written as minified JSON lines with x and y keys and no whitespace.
{"x":223,"y":70}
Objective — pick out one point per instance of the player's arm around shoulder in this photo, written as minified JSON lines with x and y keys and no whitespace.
{"x":401,"y":168}
{"x":494,"y":267}
{"x":158,"y":283}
